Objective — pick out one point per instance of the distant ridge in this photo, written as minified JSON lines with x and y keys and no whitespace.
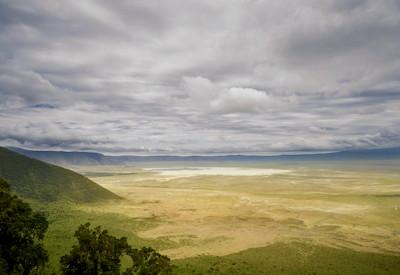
{"x":62,"y":157}
{"x":36,"y":179}
{"x":89,"y":158}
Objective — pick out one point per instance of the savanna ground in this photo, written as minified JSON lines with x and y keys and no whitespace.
{"x":249,"y":218}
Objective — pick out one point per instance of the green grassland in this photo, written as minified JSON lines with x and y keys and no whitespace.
{"x":314,"y":220}
{"x":293,"y":258}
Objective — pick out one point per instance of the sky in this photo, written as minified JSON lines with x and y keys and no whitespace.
{"x":200,"y":77}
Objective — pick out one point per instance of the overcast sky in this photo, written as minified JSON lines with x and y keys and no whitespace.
{"x":199,"y":77}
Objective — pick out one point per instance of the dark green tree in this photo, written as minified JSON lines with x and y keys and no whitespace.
{"x":97,"y":252}
{"x":21,"y":233}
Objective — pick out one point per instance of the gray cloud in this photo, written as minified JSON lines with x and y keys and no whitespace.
{"x":199,"y":77}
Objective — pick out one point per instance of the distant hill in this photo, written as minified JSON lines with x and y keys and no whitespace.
{"x":33,"y":178}
{"x":88,"y":158}
{"x":63,"y":158}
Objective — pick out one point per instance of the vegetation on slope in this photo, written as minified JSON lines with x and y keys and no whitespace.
{"x":292,"y":258}
{"x":21,"y":233}
{"x":96,"y":252}
{"x":35,"y":179}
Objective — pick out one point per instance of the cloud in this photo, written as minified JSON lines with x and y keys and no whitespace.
{"x":244,"y":100}
{"x":21,"y":88}
{"x":210,"y":98}
{"x":247,"y":76}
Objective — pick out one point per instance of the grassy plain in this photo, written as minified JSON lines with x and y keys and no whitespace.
{"x":309,"y":218}
{"x":219,"y":215}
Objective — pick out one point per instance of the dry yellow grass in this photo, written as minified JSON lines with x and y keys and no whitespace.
{"x":222,"y":214}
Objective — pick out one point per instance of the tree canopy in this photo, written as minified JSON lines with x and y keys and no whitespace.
{"x":21,"y":233}
{"x":98,"y":252}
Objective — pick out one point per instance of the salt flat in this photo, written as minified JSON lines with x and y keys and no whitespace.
{"x":215,"y":171}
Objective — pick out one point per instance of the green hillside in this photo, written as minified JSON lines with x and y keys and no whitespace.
{"x":35,"y":179}
{"x":293,"y":258}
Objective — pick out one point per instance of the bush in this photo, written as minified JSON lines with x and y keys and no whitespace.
{"x":147,"y":261}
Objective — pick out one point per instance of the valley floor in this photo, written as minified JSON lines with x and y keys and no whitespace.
{"x":289,"y":217}
{"x":208,"y":213}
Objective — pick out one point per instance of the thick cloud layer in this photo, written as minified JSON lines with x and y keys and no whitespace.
{"x":200,"y":77}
